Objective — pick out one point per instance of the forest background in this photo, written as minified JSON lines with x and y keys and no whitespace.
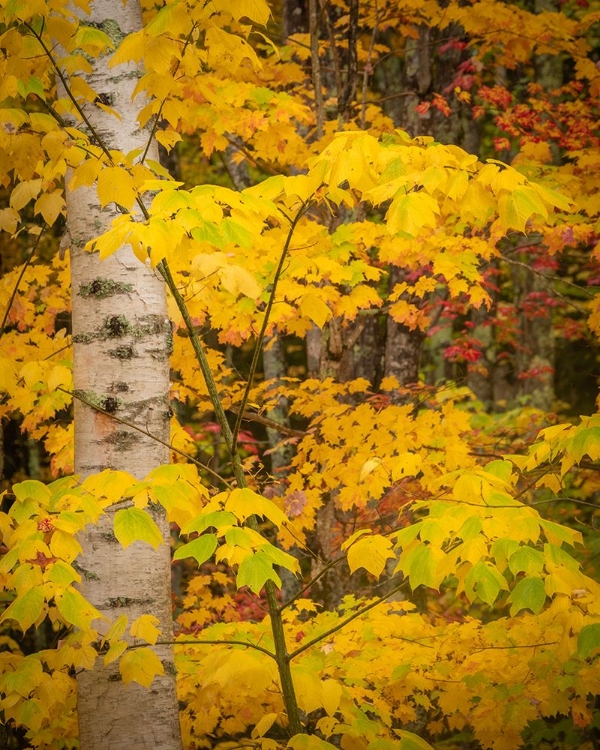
{"x":364,"y":418}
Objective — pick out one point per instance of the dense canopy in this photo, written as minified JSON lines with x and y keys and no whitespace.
{"x":298,"y":374}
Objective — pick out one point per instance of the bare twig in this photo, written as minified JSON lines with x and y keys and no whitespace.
{"x":347,"y":620}
{"x":154,"y":127}
{"x":259,"y":342}
{"x":141,"y":430}
{"x":211,"y":643}
{"x":271,"y":423}
{"x":16,"y":287}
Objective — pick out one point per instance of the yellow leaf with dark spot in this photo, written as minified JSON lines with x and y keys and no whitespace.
{"x":9,"y":220}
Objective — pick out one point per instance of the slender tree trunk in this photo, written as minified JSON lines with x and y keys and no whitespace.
{"x":537,"y":352}
{"x":534,"y":355}
{"x":294,"y":17}
{"x":274,"y":369}
{"x":402,"y":346}
{"x":121,"y":337}
{"x":479,"y":378}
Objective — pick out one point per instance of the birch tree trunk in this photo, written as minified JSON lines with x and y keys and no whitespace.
{"x":121,"y":337}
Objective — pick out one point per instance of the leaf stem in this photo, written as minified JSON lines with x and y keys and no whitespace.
{"x":165,"y":272}
{"x":188,"y":39}
{"x":313,"y":580}
{"x":25,"y":267}
{"x":345,"y":622}
{"x":133,"y":426}
{"x":263,"y":330}
{"x":212,"y":643}
{"x":69,"y":93}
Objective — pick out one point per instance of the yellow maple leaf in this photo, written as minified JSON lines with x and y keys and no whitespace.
{"x":50,"y":205}
{"x":313,"y":307}
{"x":371,"y":553}
{"x":24,"y":192}
{"x":130,"y":49}
{"x":115,"y":184}
{"x":228,"y":50}
{"x":239,"y":281}
{"x":140,"y":665}
{"x":145,"y":627}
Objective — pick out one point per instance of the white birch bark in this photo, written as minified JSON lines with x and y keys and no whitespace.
{"x":121,"y":337}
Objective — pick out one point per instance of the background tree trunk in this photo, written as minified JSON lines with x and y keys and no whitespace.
{"x":121,"y":337}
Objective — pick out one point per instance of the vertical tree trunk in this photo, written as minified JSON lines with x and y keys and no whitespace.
{"x":534,"y":356}
{"x":121,"y":337}
{"x":402,"y":346}
{"x":274,"y":369}
{"x":537,"y":354}
{"x":294,"y":17}
{"x":479,"y":378}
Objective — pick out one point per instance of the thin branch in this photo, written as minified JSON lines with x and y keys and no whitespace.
{"x":547,"y":281}
{"x":58,"y":351}
{"x":53,"y":113}
{"x":345,"y":622}
{"x":154,"y":127}
{"x":271,"y":423}
{"x":313,"y":580}
{"x":69,"y":93}
{"x":514,"y":645}
{"x":135,"y":427}
{"x":214,"y":643}
{"x":25,"y":267}
{"x":239,"y":183}
{"x":259,"y":342}
{"x":198,"y":348}
{"x":258,"y":163}
{"x":520,"y":506}
{"x":380,"y":99}
{"x":565,"y":500}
